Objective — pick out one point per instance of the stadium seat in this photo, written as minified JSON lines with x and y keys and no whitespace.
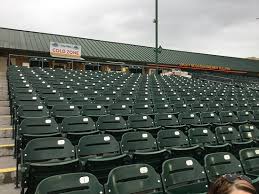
{"x":244,"y":116}
{"x":249,"y":158}
{"x":99,"y":154}
{"x":45,"y":157}
{"x":205,"y":138}
{"x":79,"y":183}
{"x":56,"y":100}
{"x":189,"y":119}
{"x":184,"y":175}
{"x":114,"y":125}
{"x":143,"y":123}
{"x":167,"y":121}
{"x":120,"y":109}
{"x":249,"y":132}
{"x":59,"y":112}
{"x":229,"y":134}
{"x":94,"y":111}
{"x":78,"y":126}
{"x":80,"y":101}
{"x":142,"y":108}
{"x":103,"y":100}
{"x":178,"y":144}
{"x":136,"y":178}
{"x":221,"y":163}
{"x":209,"y":118}
{"x":227,"y":117}
{"x":143,"y":148}
{"x":163,"y":108}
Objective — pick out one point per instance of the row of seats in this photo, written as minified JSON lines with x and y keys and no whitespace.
{"x":51,"y":156}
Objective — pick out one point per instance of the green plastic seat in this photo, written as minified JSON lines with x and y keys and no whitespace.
{"x":99,"y":154}
{"x":76,"y":183}
{"x":167,"y":121}
{"x":215,"y":106}
{"x":184,"y":175}
{"x":210,"y":118}
{"x":55,"y":100}
{"x":163,"y":108}
{"x":62,"y":111}
{"x":205,"y":138}
{"x":125,"y":100}
{"x":181,"y":108}
{"x":143,"y":108}
{"x":78,"y":126}
{"x":221,"y":163}
{"x":94,"y":110}
{"x":143,"y":123}
{"x":120,"y":109}
{"x":114,"y":125}
{"x":249,"y":132}
{"x":190,"y":119}
{"x":199,"y":107}
{"x":229,"y":134}
{"x":178,"y":144}
{"x":227,"y":117}
{"x":249,"y":158}
{"x":244,"y":116}
{"x":136,"y":178}
{"x":80,"y":101}
{"x":143,"y":148}
{"x":45,"y":157}
{"x":103,"y":100}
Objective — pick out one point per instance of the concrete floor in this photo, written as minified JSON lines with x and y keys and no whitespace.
{"x":9,"y":189}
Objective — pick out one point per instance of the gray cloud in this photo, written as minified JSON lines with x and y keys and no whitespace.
{"x":224,"y":27}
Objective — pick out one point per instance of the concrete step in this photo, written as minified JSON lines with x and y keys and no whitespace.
{"x":4,"y":96}
{"x":5,"y":120}
{"x":7,"y":170}
{"x":6,"y":132}
{"x":4,"y":103}
{"x":9,"y":189}
{"x":6,"y":147}
{"x":4,"y":110}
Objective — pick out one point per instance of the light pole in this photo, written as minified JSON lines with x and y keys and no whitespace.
{"x":158,"y":50}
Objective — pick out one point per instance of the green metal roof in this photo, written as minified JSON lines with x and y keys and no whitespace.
{"x":35,"y":41}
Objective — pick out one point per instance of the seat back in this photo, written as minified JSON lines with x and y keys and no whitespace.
{"x":209,"y":118}
{"x":142,"y":108}
{"x":140,"y":121}
{"x":98,"y":145}
{"x":111,"y":122}
{"x":201,"y":136}
{"x":220,"y":163}
{"x":136,"y":178}
{"x":244,"y":116}
{"x":30,"y":111}
{"x":166,"y":119}
{"x":93,"y":110}
{"x":228,"y":117}
{"x":172,"y":138}
{"x":77,"y":124}
{"x":189,"y":118}
{"x":120,"y":109}
{"x":163,"y":108}
{"x":48,"y":149}
{"x":79,"y":183}
{"x":249,"y":132}
{"x":138,"y":142}
{"x":249,"y":158}
{"x":227,"y":134}
{"x":182,"y":175}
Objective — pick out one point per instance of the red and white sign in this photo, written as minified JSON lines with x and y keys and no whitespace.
{"x":63,"y":50}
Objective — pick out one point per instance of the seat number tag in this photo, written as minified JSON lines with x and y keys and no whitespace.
{"x":84,"y":180}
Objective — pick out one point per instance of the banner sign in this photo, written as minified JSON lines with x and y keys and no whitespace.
{"x":204,"y":67}
{"x":63,"y":50}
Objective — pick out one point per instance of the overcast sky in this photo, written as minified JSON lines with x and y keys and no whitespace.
{"x":222,"y":27}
